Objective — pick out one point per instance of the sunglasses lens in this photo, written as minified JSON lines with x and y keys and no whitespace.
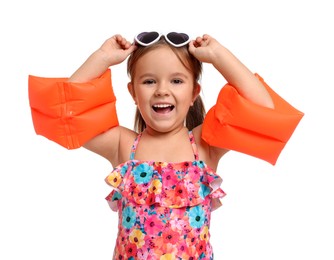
{"x":173,"y":38}
{"x":178,"y":38}
{"x":147,"y":37}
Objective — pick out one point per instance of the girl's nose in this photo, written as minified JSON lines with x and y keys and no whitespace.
{"x":162,"y":90}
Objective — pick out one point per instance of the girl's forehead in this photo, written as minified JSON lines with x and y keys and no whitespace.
{"x":162,"y":57}
{"x":161,"y":51}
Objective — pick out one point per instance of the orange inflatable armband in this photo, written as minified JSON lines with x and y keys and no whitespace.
{"x":237,"y":124}
{"x":70,"y":113}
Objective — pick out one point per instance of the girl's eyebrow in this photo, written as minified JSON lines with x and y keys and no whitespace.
{"x":179,"y":74}
{"x":176,"y":74}
{"x":146,"y":75}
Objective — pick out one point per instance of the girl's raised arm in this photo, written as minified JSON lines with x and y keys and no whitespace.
{"x":78,"y":111}
{"x":248,"y":117}
{"x":113,"y":51}
{"x":209,"y":50}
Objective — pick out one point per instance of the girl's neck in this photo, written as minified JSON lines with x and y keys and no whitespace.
{"x":173,"y":146}
{"x":159,"y":134}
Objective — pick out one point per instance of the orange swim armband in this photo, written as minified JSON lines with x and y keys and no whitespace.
{"x":237,"y":124}
{"x":70,"y":113}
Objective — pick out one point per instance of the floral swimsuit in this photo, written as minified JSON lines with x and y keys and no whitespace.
{"x":164,"y":208}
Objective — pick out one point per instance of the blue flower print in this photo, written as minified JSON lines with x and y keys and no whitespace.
{"x":196,"y":216}
{"x":116,"y":196}
{"x":204,"y":190}
{"x":143,"y":173}
{"x":124,"y":169}
{"x":200,"y":164}
{"x":129,"y":217}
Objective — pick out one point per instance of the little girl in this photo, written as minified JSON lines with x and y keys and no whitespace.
{"x":164,"y":177}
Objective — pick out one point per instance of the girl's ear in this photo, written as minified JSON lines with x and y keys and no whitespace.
{"x":132,"y":92}
{"x":197,"y":90}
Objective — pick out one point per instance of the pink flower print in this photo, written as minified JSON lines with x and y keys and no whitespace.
{"x":197,"y":231}
{"x":150,"y":243}
{"x":191,"y":187}
{"x":150,"y":199}
{"x":177,"y":197}
{"x":139,"y":196}
{"x":201,"y":247}
{"x":169,"y":178}
{"x":131,"y":250}
{"x":193,"y":173}
{"x":144,"y":254}
{"x":182,"y":247}
{"x":179,"y":224}
{"x":153,"y":224}
{"x":181,"y":191}
{"x":177,"y":214}
{"x":170,"y":236}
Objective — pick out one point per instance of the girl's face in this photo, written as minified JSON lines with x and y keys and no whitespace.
{"x":163,"y":90}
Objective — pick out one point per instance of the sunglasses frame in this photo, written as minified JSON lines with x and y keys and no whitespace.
{"x":139,"y":42}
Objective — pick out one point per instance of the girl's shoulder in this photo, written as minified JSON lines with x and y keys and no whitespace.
{"x":114,"y":144}
{"x":211,"y":155}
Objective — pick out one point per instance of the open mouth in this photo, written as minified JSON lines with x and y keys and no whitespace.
{"x":163,"y":108}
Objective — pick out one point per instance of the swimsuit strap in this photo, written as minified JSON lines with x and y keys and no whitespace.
{"x":134,"y":146}
{"x":193,"y":145}
{"x":191,"y":138}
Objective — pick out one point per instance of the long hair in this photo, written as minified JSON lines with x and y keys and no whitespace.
{"x":196,"y":112}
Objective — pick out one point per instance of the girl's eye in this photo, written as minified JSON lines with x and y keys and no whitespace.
{"x":177,"y":81}
{"x":149,"y":81}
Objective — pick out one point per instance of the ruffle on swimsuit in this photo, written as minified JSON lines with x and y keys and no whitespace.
{"x":173,"y":185}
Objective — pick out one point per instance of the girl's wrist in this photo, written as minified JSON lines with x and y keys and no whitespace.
{"x":102,"y":57}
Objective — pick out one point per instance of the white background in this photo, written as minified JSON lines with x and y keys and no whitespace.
{"x":52,"y":200}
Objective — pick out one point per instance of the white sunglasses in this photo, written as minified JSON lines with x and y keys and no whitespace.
{"x":173,"y":38}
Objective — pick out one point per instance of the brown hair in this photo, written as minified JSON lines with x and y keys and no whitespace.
{"x":196,"y":112}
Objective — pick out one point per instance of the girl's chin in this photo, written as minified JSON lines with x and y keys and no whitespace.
{"x":164,"y":127}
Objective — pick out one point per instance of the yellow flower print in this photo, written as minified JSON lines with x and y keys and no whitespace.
{"x":114,"y":179}
{"x":155,"y":186}
{"x":167,"y":257}
{"x":205,"y":234}
{"x":137,"y":237}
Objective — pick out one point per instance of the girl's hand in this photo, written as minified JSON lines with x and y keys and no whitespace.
{"x":205,"y":48}
{"x":116,"y":49}
{"x":113,"y":51}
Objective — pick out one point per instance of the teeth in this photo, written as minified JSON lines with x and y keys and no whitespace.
{"x":162,"y":105}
